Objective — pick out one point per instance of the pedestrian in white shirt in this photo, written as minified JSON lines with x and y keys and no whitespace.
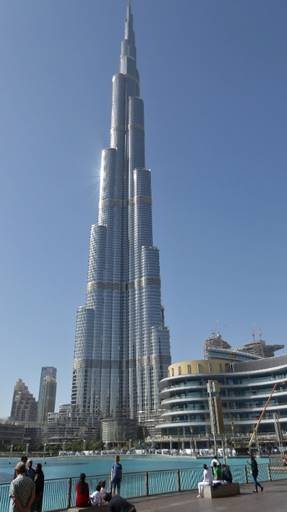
{"x":207,"y":480}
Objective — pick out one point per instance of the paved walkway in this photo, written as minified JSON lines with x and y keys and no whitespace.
{"x":273,"y":498}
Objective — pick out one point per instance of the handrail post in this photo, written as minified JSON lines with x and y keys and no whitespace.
{"x":69,"y":493}
{"x":269,"y":472}
{"x":178,"y":481}
{"x":246,"y":473}
{"x":146,"y":483}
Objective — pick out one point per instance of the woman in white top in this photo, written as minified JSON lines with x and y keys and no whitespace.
{"x":207,"y":480}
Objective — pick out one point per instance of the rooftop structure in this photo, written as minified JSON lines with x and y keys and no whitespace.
{"x":261,"y":349}
{"x":216,"y":348}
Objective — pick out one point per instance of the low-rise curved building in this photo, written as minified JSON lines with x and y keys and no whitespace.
{"x":224,"y":398}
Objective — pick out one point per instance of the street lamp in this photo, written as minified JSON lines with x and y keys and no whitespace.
{"x":44,"y":451}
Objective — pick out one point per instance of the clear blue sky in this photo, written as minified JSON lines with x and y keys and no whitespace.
{"x":213,"y":78}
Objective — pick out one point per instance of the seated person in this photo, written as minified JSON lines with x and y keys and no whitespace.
{"x":226,"y":473}
{"x":103,"y":491}
{"x":215,"y":460}
{"x":119,"y":504}
{"x":82,"y":492}
{"x":217,"y":472}
{"x":96,"y":497}
{"x":207,"y":480}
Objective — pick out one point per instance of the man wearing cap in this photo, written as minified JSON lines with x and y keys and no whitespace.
{"x":22,"y":491}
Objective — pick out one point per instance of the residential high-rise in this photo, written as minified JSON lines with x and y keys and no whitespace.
{"x":122,"y":347}
{"x":24,"y":405}
{"x":47,"y":393}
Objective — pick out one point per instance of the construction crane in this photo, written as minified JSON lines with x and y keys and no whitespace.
{"x":254,"y":433}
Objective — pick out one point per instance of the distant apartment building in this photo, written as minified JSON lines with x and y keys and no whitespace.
{"x":47,"y":393}
{"x":24,"y":405}
{"x":69,"y":425}
{"x":223,"y":396}
{"x":11,"y":434}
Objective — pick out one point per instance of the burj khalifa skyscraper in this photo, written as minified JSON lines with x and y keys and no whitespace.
{"x":122,"y":347}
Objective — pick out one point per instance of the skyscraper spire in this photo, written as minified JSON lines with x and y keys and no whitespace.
{"x":122,"y":347}
{"x":129,"y":8}
{"x":128,"y":50}
{"x":129,"y":32}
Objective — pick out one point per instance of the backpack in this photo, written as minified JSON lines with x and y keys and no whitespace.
{"x":116,"y":472}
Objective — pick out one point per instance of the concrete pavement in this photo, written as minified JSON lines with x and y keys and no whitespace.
{"x":273,"y":499}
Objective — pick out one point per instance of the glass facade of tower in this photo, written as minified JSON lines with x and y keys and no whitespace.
{"x":47,"y":393}
{"x":122,"y":347}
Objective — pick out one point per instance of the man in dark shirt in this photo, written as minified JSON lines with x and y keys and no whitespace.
{"x":30,"y":471}
{"x":226,"y":473}
{"x":254,"y":471}
{"x":119,"y":504}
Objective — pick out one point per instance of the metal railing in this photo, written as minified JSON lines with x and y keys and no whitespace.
{"x":60,"y":493}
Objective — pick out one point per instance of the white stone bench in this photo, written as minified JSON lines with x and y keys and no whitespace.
{"x":221,"y":490}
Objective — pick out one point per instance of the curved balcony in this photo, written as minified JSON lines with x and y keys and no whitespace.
{"x":183,"y":400}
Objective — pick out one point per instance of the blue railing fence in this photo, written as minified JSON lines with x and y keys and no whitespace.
{"x":60,"y":493}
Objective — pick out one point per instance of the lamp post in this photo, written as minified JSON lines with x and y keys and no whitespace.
{"x":232,"y":436}
{"x":190,"y":443}
{"x":141,"y":422}
{"x":44,"y":451}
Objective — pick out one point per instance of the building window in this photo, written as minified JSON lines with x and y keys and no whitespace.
{"x":172,"y":372}
{"x":179,"y":370}
{"x":189,"y":368}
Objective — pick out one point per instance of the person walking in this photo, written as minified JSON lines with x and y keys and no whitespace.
{"x":82,"y":492}
{"x":254,"y":471}
{"x":116,"y":476}
{"x":207,"y":480}
{"x":39,"y":481}
{"x":22,"y":491}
